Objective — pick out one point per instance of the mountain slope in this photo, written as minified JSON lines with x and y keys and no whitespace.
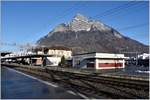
{"x":84,"y":35}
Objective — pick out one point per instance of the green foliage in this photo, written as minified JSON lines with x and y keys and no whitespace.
{"x":62,"y":62}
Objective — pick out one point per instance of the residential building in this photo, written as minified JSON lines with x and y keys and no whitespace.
{"x":56,"y":53}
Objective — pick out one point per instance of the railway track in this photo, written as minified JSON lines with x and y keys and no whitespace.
{"x":117,"y":81}
{"x":93,"y":86}
{"x":89,"y":91}
{"x":117,"y":87}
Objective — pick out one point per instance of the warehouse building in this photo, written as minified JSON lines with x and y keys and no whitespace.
{"x":99,"y":60}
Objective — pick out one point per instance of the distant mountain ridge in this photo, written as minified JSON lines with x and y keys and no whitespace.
{"x":84,"y":35}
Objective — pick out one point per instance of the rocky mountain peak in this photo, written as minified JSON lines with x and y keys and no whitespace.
{"x":80,"y":17}
{"x":83,"y":23}
{"x":79,"y":23}
{"x":86,"y":35}
{"x":60,"y":28}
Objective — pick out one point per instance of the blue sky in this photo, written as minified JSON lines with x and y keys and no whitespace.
{"x":27,"y":21}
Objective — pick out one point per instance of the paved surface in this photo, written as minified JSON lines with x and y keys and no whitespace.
{"x":16,"y":85}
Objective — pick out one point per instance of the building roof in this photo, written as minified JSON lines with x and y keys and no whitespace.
{"x":53,"y":48}
{"x":84,"y":53}
{"x":5,"y":53}
{"x":93,"y":53}
{"x":59,"y":48}
{"x":29,"y":56}
{"x":100,"y":55}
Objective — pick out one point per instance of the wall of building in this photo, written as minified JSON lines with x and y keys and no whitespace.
{"x":99,"y":61}
{"x":84,"y":63}
{"x":57,"y":54}
{"x":39,"y":61}
{"x":82,"y":60}
{"x":67,"y":54}
{"x":40,"y":52}
{"x":53,"y":61}
{"x":108,"y":55}
{"x":109,"y":63}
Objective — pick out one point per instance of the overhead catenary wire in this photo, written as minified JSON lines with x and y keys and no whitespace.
{"x":62,"y":15}
{"x":110,"y":11}
{"x":126,"y":13}
{"x":134,"y":26}
{"x":130,"y":27}
{"x":21,"y":46}
{"x":115,"y":11}
{"x":125,"y":10}
{"x":106,"y":13}
{"x":67,"y":11}
{"x":118,"y":9}
{"x":124,"y":28}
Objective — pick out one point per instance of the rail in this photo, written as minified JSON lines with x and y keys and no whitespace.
{"x":89,"y":83}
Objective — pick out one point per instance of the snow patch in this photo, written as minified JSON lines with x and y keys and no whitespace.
{"x":139,"y":71}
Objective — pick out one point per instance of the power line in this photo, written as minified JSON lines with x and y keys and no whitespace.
{"x":117,"y":9}
{"x":126,"y":9}
{"x":132,"y":27}
{"x":126,"y":13}
{"x":8,"y":44}
{"x":108,"y":12}
{"x":25,"y":46}
{"x":68,"y":10}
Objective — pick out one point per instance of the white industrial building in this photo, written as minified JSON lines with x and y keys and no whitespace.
{"x":99,"y":60}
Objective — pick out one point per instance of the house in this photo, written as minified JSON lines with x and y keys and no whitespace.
{"x":56,"y":53}
{"x":99,"y":60}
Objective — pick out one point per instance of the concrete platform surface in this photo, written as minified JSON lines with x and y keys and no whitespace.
{"x":16,"y":85}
